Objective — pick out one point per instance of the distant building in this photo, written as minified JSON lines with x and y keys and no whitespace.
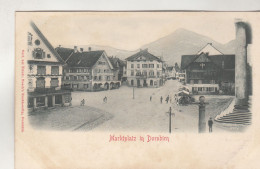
{"x":209,"y":72}
{"x":170,"y":72}
{"x":144,"y":70}
{"x":88,"y":70}
{"x":44,"y":72}
{"x":119,"y":68}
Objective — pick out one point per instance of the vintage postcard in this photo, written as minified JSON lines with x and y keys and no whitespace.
{"x":136,"y":90}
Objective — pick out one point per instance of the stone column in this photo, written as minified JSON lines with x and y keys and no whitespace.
{"x":46,"y":101}
{"x":34,"y":103}
{"x":241,"y":65}
{"x":53,"y":100}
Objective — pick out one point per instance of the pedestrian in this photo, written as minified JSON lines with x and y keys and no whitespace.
{"x":210,"y":123}
{"x":70,"y":101}
{"x":167,"y":99}
{"x":106,"y":99}
{"x":177,"y":102}
{"x":83,"y":102}
{"x":161,"y":99}
{"x":150,"y":98}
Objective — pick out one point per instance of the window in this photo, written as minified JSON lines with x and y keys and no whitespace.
{"x":41,"y":70}
{"x":31,"y":68}
{"x":37,"y":42}
{"x":132,"y":82}
{"x":138,"y":73}
{"x":75,"y":78}
{"x":144,"y":65}
{"x":132,"y":65}
{"x":191,"y":81}
{"x":100,"y":78}
{"x":108,"y":77}
{"x":79,"y":70}
{"x":138,"y":65}
{"x":132,"y":73}
{"x":95,"y":77}
{"x":158,"y":66}
{"x":200,"y":89}
{"x":85,"y":86}
{"x":40,"y":82}
{"x":195,"y":89}
{"x":151,"y":73}
{"x":48,"y":56}
{"x":151,"y":65}
{"x":55,"y":70}
{"x":29,"y":38}
{"x":199,"y":81}
{"x":85,"y":70}
{"x":75,"y":86}
{"x":158,"y":73}
{"x":145,"y":73}
{"x":101,"y":63}
{"x":212,"y":81}
{"x":54,"y":82}
{"x":30,"y":84}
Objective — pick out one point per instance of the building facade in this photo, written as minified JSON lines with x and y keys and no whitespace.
{"x":170,"y":72}
{"x":88,"y":70}
{"x":45,"y":71}
{"x":209,"y":74}
{"x":144,"y":70}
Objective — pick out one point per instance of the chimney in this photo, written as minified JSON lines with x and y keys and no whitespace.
{"x":89,"y":49}
{"x":81,"y":50}
{"x":75,"y":49}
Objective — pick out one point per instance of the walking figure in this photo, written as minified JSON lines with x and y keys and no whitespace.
{"x":105,"y":99}
{"x":161,"y":99}
{"x":70,"y":101}
{"x":150,"y":98}
{"x":83,"y":102}
{"x":167,"y":99}
{"x":210,"y":123}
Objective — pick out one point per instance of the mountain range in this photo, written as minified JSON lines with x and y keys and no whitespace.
{"x":171,"y":47}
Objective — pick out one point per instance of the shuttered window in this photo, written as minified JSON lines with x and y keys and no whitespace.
{"x":40,"y":82}
{"x":54,"y":82}
{"x":41,"y":70}
{"x":55,"y":70}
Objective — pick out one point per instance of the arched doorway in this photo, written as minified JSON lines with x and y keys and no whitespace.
{"x":132,"y":82}
{"x":106,"y":86}
{"x":151,"y":82}
{"x":138,"y":82}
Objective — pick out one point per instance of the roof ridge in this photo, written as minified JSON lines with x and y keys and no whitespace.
{"x":47,"y":43}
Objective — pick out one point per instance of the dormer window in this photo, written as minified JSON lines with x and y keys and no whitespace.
{"x":38,"y":53}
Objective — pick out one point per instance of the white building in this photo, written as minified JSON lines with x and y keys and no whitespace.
{"x":144,"y":70}
{"x":44,"y":72}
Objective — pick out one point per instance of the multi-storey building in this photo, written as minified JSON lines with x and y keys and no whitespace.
{"x":88,"y":70}
{"x":44,"y":72}
{"x":170,"y":72}
{"x":209,"y":72}
{"x":144,"y":70}
{"x":119,"y":68}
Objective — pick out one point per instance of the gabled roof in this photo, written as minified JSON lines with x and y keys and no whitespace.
{"x":210,"y":49}
{"x":84,"y":59}
{"x":229,"y":60}
{"x":46,"y":42}
{"x":116,"y":62}
{"x":64,"y":52}
{"x":143,"y":55}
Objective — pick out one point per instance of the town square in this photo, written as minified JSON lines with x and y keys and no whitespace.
{"x":87,"y":88}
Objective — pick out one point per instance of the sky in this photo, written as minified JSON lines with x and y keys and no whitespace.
{"x":130,"y":30}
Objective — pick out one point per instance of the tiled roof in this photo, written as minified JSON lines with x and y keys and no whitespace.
{"x":46,"y":42}
{"x":64,"y":52}
{"x":114,"y":62}
{"x":84,"y":59}
{"x":145,"y":54}
{"x":169,"y":68}
{"x":229,"y":60}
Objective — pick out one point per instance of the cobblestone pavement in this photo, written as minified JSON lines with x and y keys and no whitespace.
{"x":68,"y":118}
